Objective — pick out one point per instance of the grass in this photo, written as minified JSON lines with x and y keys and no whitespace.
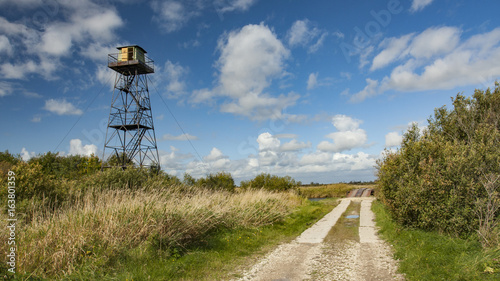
{"x":432,"y":256}
{"x":161,"y":234}
{"x":346,"y":228}
{"x":326,"y":191}
{"x":225,"y":253}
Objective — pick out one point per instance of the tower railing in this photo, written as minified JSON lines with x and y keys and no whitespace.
{"x":119,"y":62}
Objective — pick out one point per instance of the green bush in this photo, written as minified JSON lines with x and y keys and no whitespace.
{"x":270,"y":182}
{"x":68,"y":167}
{"x":434,"y":180}
{"x":35,"y":189}
{"x":219,"y":181}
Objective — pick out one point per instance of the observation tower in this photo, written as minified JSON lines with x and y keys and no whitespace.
{"x":130,"y":134}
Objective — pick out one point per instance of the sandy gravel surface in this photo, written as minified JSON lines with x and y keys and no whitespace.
{"x":309,"y":258}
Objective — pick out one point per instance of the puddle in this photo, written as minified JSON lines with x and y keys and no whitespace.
{"x":352,"y":217}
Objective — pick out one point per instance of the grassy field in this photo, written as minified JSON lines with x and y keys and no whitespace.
{"x":432,"y":256}
{"x":329,"y":190}
{"x":161,"y":234}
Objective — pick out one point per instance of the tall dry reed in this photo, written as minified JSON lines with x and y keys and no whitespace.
{"x":105,"y":224}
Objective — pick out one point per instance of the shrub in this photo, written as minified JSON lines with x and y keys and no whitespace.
{"x":434,"y":180}
{"x":68,"y":167}
{"x":270,"y":182}
{"x":219,"y":181}
{"x":35,"y":189}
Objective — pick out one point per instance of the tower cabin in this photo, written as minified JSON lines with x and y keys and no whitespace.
{"x":131,"y":60}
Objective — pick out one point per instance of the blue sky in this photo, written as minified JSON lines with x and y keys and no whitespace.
{"x":312,"y":89}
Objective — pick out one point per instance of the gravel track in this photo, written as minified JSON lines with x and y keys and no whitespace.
{"x":309,"y":258}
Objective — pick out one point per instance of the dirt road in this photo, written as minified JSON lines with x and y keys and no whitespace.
{"x":309,"y":258}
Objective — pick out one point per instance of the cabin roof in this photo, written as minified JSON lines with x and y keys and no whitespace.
{"x":135,"y":46}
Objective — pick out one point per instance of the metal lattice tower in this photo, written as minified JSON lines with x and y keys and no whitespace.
{"x":130,"y":134}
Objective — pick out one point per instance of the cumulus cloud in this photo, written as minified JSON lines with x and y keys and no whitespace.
{"x":349,"y":135}
{"x":435,"y":59}
{"x":250,"y":59}
{"x":26,"y":155}
{"x":84,"y":28}
{"x":76,"y":148}
{"x":393,"y":139}
{"x":294,"y":145}
{"x":217,"y":160}
{"x":287,"y":158}
{"x":61,"y":107}
{"x":418,"y":5}
{"x":92,"y":22}
{"x":174,"y":73}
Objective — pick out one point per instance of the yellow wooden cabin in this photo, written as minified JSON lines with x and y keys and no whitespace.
{"x":130,"y":60}
{"x":129,"y":53}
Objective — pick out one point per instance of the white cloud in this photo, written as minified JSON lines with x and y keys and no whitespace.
{"x":435,"y":59}
{"x":224,"y":6}
{"x":418,"y":5}
{"x":302,"y":34}
{"x":173,"y":15}
{"x":93,"y":23}
{"x":181,"y":137}
{"x":36,"y":119}
{"x":26,"y":155}
{"x":294,"y":145}
{"x":370,"y":90}
{"x":393,"y":139}
{"x":217,"y":161}
{"x":76,"y":148}
{"x":345,"y":123}
{"x":174,"y":72}
{"x":349,"y":135}
{"x":267,"y":142}
{"x":61,"y":107}
{"x":394,"y":47}
{"x":5,"y":89}
{"x":97,"y":51}
{"x":316,"y":46}
{"x":473,"y":61}
{"x":283,"y":159}
{"x":202,"y":96}
{"x":250,"y":59}
{"x":5,"y":46}
{"x":312,"y":81}
{"x":106,"y":76}
{"x":434,"y":41}
{"x":268,"y":149}
{"x":82,"y":28}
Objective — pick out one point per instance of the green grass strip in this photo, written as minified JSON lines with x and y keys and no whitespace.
{"x":432,"y":256}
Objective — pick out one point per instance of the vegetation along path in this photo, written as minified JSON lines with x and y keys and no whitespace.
{"x":312,"y":257}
